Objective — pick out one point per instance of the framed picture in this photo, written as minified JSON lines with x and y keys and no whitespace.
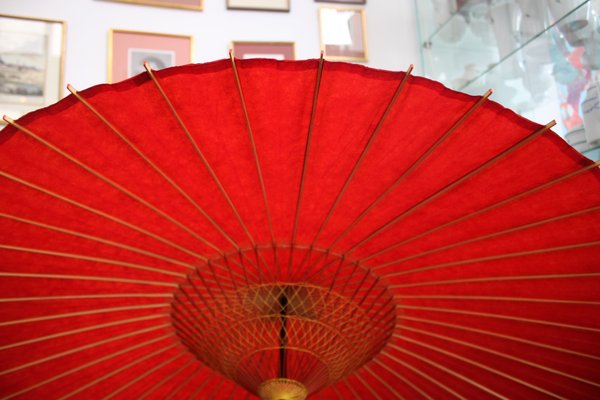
{"x":259,"y":5}
{"x":343,"y":33}
{"x":127,"y":51}
{"x":343,"y":1}
{"x":276,"y":50}
{"x":185,"y":4}
{"x":31,"y":63}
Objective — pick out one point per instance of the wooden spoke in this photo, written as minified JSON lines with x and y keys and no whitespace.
{"x":83,"y":313}
{"x":421,"y":374}
{"x":413,"y":167}
{"x":452,"y":185}
{"x":82,"y":330}
{"x":495,"y":258}
{"x":97,"y":239}
{"x":446,"y":370}
{"x":505,"y":317}
{"x":178,"y":388}
{"x":143,"y":375}
{"x":305,"y":159}
{"x":82,"y":257}
{"x":502,"y":336}
{"x":363,"y":154}
{"x":484,"y":367}
{"x":88,"y":278}
{"x":488,"y":208}
{"x":204,"y":161}
{"x":101,"y":214}
{"x":82,"y":348}
{"x":503,"y":355}
{"x":253,"y":145}
{"x":97,"y":361}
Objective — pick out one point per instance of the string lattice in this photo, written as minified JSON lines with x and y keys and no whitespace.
{"x":283,"y":312}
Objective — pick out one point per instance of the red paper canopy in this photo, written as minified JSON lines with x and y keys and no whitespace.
{"x":233,"y":229}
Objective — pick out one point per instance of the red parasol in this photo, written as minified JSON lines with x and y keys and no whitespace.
{"x":283,"y":229}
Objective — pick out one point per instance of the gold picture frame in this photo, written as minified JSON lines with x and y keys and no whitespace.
{"x":259,"y":5}
{"x":353,"y":2}
{"x":257,"y":49}
{"x":343,"y":33}
{"x":127,"y":51}
{"x":32,"y":53}
{"x":195,"y":5}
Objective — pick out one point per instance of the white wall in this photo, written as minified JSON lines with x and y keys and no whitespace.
{"x":392,"y":36}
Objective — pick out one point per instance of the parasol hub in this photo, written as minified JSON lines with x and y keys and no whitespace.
{"x":285,"y":321}
{"x":282,"y":389}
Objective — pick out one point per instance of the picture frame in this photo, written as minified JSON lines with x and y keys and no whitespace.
{"x":195,"y":5}
{"x":32,"y":54}
{"x":274,"y":50}
{"x":343,"y":33}
{"x":357,"y":2}
{"x":259,"y":5}
{"x":127,"y":51}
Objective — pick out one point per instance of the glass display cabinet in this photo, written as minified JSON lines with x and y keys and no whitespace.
{"x":541,"y":58}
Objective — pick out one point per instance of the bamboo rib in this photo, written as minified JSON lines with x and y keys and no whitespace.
{"x":501,"y":354}
{"x":486,"y":209}
{"x":364,"y":152}
{"x":502,"y":316}
{"x":166,"y":378}
{"x":489,"y":236}
{"x":337,"y":392}
{"x":383,"y":383}
{"x":81,"y":257}
{"x":191,"y":376}
{"x":81,"y":330}
{"x":402,"y":378}
{"x":86,"y":277}
{"x":452,"y":185}
{"x":112,"y":183}
{"x":446,"y":370}
{"x":496,"y":279}
{"x":84,"y":297}
{"x":201,"y":296}
{"x":493,"y":258}
{"x":143,"y":375}
{"x":81,"y":348}
{"x":234,"y":389}
{"x":349,"y":386}
{"x":483,"y":367}
{"x":82,"y":313}
{"x":360,"y":159}
{"x":253,"y":145}
{"x":96,"y":239}
{"x":102,"y":214}
{"x":500,"y":298}
{"x":367,"y":386}
{"x":204,"y":162}
{"x":192,"y":330}
{"x":200,"y":387}
{"x":423,"y":375}
{"x":107,"y":216}
{"x":216,"y":389}
{"x":311,"y":123}
{"x":118,"y":370}
{"x":502,"y":336}
{"x":414,"y":166}
{"x":87,"y":365}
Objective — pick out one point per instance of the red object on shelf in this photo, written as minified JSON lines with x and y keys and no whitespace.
{"x":198,"y":231}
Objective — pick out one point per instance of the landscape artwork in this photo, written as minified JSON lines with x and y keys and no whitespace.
{"x":30,"y":64}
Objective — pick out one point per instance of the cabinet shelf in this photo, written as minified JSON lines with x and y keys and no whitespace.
{"x":538,"y":56}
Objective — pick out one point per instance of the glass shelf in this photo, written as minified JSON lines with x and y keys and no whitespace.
{"x":539,"y":57}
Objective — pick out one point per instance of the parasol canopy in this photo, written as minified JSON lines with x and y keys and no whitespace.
{"x":249,"y":228}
